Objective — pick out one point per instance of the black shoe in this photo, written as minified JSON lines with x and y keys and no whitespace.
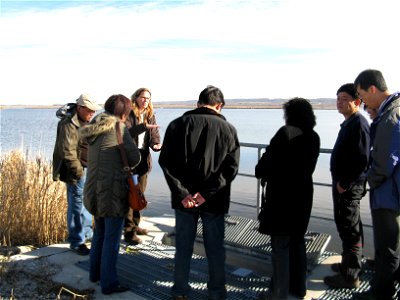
{"x":339,"y":282}
{"x":117,"y":289}
{"x":181,"y":298}
{"x":81,"y":249}
{"x":336,"y":267}
{"x":364,"y":296}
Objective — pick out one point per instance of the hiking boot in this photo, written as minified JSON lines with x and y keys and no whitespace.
{"x":133,"y":240}
{"x":141,"y":231}
{"x":338,"y":282}
{"x":336,"y":267}
{"x":81,"y":249}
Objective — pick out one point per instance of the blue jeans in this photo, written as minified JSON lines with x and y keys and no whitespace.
{"x":79,"y":220}
{"x":213,"y":235}
{"x":104,"y":252}
{"x":289,"y":261}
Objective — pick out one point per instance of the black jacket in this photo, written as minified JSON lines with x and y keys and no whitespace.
{"x":200,"y":153}
{"x":349,"y":159}
{"x":287,"y":167}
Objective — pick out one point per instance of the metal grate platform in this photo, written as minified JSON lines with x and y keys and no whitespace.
{"x":246,"y":247}
{"x":347,"y":294}
{"x":148,"y":270}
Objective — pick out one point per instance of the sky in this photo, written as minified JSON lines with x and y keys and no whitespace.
{"x":52,"y":51}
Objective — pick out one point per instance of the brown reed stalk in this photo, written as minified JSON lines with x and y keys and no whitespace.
{"x":32,"y":206}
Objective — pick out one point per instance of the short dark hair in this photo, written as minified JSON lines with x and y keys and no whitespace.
{"x":370,"y":77}
{"x":118,"y":105}
{"x":348,"y":88}
{"x":299,"y":113}
{"x":211,"y":95}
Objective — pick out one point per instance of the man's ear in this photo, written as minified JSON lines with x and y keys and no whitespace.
{"x":218,"y":107}
{"x":358,"y":101}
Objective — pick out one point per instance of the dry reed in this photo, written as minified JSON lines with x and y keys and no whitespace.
{"x":32,"y":206}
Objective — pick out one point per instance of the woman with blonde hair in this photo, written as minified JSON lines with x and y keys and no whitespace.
{"x":144,"y":130}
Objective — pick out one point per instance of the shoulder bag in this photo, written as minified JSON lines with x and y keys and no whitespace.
{"x":137,"y":200}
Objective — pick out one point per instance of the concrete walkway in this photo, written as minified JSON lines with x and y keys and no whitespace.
{"x":76,"y":277}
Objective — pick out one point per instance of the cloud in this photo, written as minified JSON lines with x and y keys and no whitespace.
{"x":51,"y":51}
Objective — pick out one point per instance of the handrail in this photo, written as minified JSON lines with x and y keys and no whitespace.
{"x":260,"y":148}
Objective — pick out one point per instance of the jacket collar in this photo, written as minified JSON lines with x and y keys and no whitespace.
{"x":203,"y":111}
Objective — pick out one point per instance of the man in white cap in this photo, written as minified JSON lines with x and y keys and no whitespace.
{"x":69,"y":166}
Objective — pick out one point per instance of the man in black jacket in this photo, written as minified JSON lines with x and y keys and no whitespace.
{"x":200,"y":159}
{"x":349,"y":162}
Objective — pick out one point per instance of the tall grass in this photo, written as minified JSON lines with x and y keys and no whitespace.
{"x":32,"y":206}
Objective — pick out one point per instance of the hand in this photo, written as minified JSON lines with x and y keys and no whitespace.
{"x":199,"y":199}
{"x":339,"y":188}
{"x":151,"y":126}
{"x":188,"y":202}
{"x":157,"y":146}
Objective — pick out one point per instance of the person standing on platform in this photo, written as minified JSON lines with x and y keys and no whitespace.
{"x":106,"y":189}
{"x":286,"y":168}
{"x":348,"y":165}
{"x":69,"y":165}
{"x":200,"y":159}
{"x":143,"y":128}
{"x":383,"y":178}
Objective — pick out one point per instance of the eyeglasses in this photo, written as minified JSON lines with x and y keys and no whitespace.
{"x":145,"y":98}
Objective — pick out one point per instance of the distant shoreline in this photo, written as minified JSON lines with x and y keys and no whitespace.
{"x":185,"y":105}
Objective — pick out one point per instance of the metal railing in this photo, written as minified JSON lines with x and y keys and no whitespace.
{"x":260,"y":150}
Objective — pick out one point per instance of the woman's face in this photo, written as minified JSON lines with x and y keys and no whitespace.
{"x":143,"y":100}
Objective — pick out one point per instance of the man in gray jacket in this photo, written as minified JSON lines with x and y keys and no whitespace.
{"x":384,"y":180}
{"x":69,"y":164}
{"x":200,"y":159}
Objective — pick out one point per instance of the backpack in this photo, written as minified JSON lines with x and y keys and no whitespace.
{"x":66,"y":110}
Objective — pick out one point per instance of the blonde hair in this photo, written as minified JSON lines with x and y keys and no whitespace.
{"x":148,"y":112}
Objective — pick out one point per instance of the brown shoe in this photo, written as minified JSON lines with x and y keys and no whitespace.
{"x":338,"y":282}
{"x":141,"y":231}
{"x":181,"y":298}
{"x":133,"y":240}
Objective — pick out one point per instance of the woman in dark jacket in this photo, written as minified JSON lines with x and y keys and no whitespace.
{"x":106,"y":190}
{"x":144,"y":130}
{"x":286,"y":167}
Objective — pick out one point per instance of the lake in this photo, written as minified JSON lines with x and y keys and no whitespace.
{"x":34,"y":131}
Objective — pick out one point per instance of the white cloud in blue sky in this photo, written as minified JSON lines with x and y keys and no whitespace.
{"x":51,"y":51}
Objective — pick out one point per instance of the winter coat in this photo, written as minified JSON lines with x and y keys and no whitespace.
{"x":200,"y":153}
{"x":67,"y":160}
{"x":287,"y":167}
{"x":384,"y":173}
{"x":106,"y":190}
{"x":151,"y":138}
{"x":350,"y":155}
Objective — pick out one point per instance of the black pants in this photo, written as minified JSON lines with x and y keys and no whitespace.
{"x":346,"y":208}
{"x":386,"y":224}
{"x":132,"y":218}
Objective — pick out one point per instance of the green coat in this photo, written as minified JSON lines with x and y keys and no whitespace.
{"x":67,"y":166}
{"x":106,"y":190}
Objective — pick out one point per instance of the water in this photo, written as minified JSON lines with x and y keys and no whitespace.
{"x":34,"y":131}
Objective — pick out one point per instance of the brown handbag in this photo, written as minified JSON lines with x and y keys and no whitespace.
{"x":137,"y":200}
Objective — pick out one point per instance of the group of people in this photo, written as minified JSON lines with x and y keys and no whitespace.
{"x":87,"y":158}
{"x":362,"y":153}
{"x":200,"y":159}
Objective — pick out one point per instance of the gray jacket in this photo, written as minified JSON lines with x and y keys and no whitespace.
{"x":106,"y":190}
{"x":384,"y":172}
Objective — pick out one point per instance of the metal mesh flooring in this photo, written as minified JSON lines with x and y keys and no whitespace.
{"x":241,"y":235}
{"x":148,"y":270}
{"x":347,"y":294}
